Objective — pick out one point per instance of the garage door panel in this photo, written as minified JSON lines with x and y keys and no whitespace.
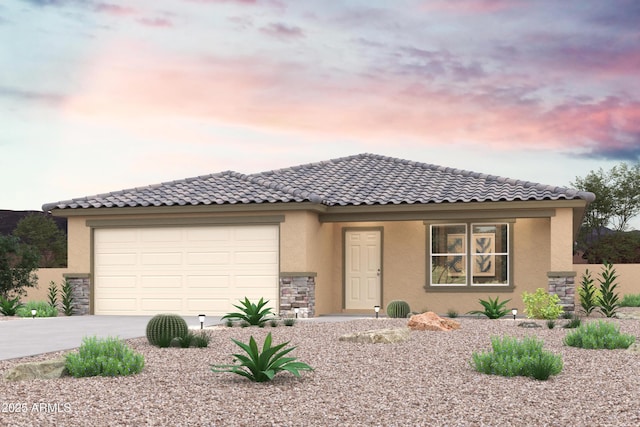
{"x":255,"y":257}
{"x":161,"y":258}
{"x":160,"y":282}
{"x":185,"y":270}
{"x":206,"y":258}
{"x":117,"y":282}
{"x":208,"y":282}
{"x":116,"y":305}
{"x":118,"y":259}
{"x":172,"y":235}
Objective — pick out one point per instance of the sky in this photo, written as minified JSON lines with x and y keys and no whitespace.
{"x":103,"y":95}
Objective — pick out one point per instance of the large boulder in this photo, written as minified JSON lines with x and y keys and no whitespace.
{"x":385,"y":336}
{"x":46,"y":369}
{"x":430,"y":321}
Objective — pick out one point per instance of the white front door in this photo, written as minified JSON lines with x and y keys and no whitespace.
{"x":362,"y":269}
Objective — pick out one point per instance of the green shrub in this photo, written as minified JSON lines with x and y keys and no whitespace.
{"x":68,"y":301}
{"x":9,"y":306}
{"x":106,"y":357}
{"x":575,"y":322}
{"x":542,"y":305}
{"x":608,"y":298}
{"x":588,"y":293}
{"x":630,"y":300}
{"x":253,"y":314}
{"x":289,"y":321}
{"x":201,"y":340}
{"x":551,"y":323}
{"x":398,"y":309}
{"x":261,"y":366}
{"x":163,"y":328}
{"x":52,"y":296}
{"x":599,"y":335}
{"x":493,"y":309}
{"x":229,"y":323}
{"x":273,"y":323}
{"x":511,"y":357}
{"x":452,"y":313}
{"x":43,"y":309}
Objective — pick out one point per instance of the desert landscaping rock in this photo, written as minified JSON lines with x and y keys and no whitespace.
{"x":46,"y":369}
{"x":427,"y":380}
{"x":430,"y":321}
{"x":386,"y":336}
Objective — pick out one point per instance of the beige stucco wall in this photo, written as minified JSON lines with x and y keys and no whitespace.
{"x":45,"y":277}
{"x":405,"y":266}
{"x":628,"y":277}
{"x":308,"y":245}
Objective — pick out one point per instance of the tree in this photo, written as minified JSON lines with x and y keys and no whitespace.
{"x":625,"y":189}
{"x":41,"y":232}
{"x":601,"y":210}
{"x":18,"y":263}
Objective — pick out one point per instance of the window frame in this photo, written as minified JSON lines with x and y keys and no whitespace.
{"x":468,"y":285}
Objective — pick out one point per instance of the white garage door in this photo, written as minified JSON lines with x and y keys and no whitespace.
{"x":184,"y":270}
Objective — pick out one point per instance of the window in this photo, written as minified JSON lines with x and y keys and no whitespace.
{"x":463,"y":258}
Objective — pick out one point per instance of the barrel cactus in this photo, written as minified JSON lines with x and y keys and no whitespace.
{"x":163,"y":328}
{"x":398,"y":309}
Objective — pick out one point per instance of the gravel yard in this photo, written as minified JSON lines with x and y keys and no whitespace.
{"x":425,"y":381}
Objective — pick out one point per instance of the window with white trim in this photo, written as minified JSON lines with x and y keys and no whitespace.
{"x":476,"y":258}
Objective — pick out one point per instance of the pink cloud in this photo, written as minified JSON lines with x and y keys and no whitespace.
{"x":472,"y":6}
{"x":258,"y":93}
{"x":113,"y":9}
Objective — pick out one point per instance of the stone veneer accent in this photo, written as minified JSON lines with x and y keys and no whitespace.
{"x":298,"y":290}
{"x":563,"y":284}
{"x":80,"y":289}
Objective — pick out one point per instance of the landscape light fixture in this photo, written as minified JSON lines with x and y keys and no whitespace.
{"x":33,"y":313}
{"x":514,"y":311}
{"x":376,"y":308}
{"x":201,"y":318}
{"x":296,"y":310}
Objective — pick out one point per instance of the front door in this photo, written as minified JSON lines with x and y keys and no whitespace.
{"x":363,"y":261}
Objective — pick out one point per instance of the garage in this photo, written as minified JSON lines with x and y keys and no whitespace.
{"x":184,"y":269}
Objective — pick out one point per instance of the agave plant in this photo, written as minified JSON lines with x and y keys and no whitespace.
{"x":253,"y":314}
{"x":492,"y":308}
{"x":262,"y":366}
{"x":9,"y":306}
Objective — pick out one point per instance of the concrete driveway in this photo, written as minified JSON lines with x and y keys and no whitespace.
{"x":28,"y":337}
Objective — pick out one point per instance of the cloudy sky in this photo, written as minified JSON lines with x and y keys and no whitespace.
{"x":102,"y":95}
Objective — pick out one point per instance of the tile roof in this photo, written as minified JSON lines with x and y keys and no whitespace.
{"x":363,"y":179}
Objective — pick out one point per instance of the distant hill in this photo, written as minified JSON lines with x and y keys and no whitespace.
{"x":9,"y":220}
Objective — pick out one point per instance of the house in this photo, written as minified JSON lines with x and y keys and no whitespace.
{"x":337,"y":236}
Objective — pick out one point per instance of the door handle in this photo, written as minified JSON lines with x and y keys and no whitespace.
{"x":378,"y":272}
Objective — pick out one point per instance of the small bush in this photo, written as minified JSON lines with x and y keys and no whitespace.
{"x":9,"y":306}
{"x":452,"y":313}
{"x":229,"y":323}
{"x":599,"y":335}
{"x":201,"y":340}
{"x":68,"y":300}
{"x":289,"y":321}
{"x":511,"y":357}
{"x":106,"y":357}
{"x":551,"y":323}
{"x":542,"y":305}
{"x":273,"y":323}
{"x":253,"y":314}
{"x":261,"y":366}
{"x":52,"y":296}
{"x":630,"y":300}
{"x":43,"y":309}
{"x":588,"y":293}
{"x":575,"y":322}
{"x":608,"y":299}
{"x":492,"y":308}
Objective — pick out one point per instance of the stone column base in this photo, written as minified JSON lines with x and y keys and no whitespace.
{"x":563,"y":284}
{"x":297,"y":290}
